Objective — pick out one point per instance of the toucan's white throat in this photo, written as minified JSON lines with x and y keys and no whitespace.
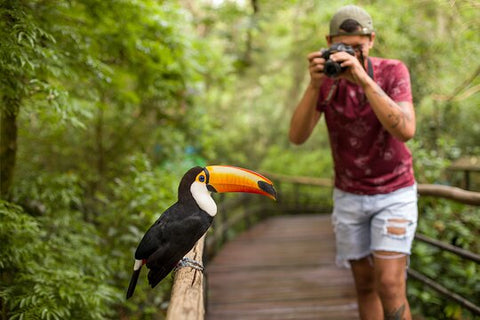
{"x":203,"y":198}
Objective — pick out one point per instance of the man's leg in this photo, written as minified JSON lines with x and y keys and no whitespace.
{"x":369,"y":303}
{"x":390,"y":283}
{"x":392,"y":233}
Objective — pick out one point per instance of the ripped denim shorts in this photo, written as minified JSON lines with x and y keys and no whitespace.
{"x":367,"y":223}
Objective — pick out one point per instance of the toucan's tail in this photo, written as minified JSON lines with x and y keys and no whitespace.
{"x":155,"y":275}
{"x":133,"y":280}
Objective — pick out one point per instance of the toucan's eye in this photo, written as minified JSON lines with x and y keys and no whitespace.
{"x":201,"y":178}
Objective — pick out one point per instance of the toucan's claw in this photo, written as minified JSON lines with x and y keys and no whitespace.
{"x":187,"y":262}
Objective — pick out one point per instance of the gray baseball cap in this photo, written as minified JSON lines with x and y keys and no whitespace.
{"x":355,"y":13}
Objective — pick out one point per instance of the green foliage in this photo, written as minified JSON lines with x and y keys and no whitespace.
{"x":51,"y":268}
{"x":307,"y":162}
{"x":430,"y":164}
{"x":458,"y":225}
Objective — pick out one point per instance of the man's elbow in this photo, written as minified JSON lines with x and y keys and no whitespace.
{"x":296,"y":138}
{"x":297,"y":142}
{"x":406,"y":135}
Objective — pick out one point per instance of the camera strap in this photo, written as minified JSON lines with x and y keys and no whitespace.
{"x":329,"y":97}
{"x":334,"y":86}
{"x":370,"y":68}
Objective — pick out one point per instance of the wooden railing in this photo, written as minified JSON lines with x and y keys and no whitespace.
{"x":189,"y":297}
{"x":187,"y":300}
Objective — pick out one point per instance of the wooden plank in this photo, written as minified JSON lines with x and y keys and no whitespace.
{"x":282,"y":268}
{"x":289,"y":310}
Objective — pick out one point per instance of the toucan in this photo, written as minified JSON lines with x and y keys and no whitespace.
{"x":177,"y":230}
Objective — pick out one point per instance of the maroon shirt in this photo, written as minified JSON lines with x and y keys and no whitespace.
{"x":367,"y":159}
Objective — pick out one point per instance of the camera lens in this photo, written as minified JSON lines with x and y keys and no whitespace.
{"x":332,"y":68}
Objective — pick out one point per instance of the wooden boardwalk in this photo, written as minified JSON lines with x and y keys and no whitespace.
{"x":282,"y":268}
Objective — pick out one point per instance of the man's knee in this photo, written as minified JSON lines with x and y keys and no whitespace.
{"x":390,"y":274}
{"x":390,"y":287}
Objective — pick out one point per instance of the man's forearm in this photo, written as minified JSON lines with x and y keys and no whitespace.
{"x":396,"y":118}
{"x":305,"y":116}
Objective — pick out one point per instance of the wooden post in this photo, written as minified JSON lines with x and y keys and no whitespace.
{"x":186,"y":302}
{"x":467,"y":179}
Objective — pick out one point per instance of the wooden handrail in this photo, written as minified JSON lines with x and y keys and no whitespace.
{"x":187,"y":299}
{"x":448,"y":247}
{"x":435,"y":190}
{"x":452,"y":193}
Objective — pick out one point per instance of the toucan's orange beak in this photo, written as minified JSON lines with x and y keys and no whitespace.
{"x":234,"y":179}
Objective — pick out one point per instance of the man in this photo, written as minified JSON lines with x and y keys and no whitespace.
{"x":369,"y":115}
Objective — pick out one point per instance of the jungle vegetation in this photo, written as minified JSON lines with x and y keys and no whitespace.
{"x":105,"y":104}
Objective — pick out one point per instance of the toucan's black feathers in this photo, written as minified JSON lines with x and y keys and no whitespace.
{"x":155,"y":275}
{"x":185,"y":228}
{"x":175,"y":227}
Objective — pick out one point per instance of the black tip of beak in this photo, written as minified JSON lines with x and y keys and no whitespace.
{"x":268,"y":188}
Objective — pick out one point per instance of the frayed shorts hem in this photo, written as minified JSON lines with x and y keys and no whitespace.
{"x":343,"y":262}
{"x":407,"y":252}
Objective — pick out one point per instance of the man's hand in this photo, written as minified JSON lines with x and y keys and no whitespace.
{"x":355,"y":71}
{"x":315,"y":67}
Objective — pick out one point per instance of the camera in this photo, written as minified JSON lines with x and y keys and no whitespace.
{"x":332,"y":68}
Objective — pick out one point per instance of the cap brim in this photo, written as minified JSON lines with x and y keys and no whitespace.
{"x":356,"y":33}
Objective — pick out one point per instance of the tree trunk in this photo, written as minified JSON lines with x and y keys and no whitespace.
{"x":8,"y":144}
